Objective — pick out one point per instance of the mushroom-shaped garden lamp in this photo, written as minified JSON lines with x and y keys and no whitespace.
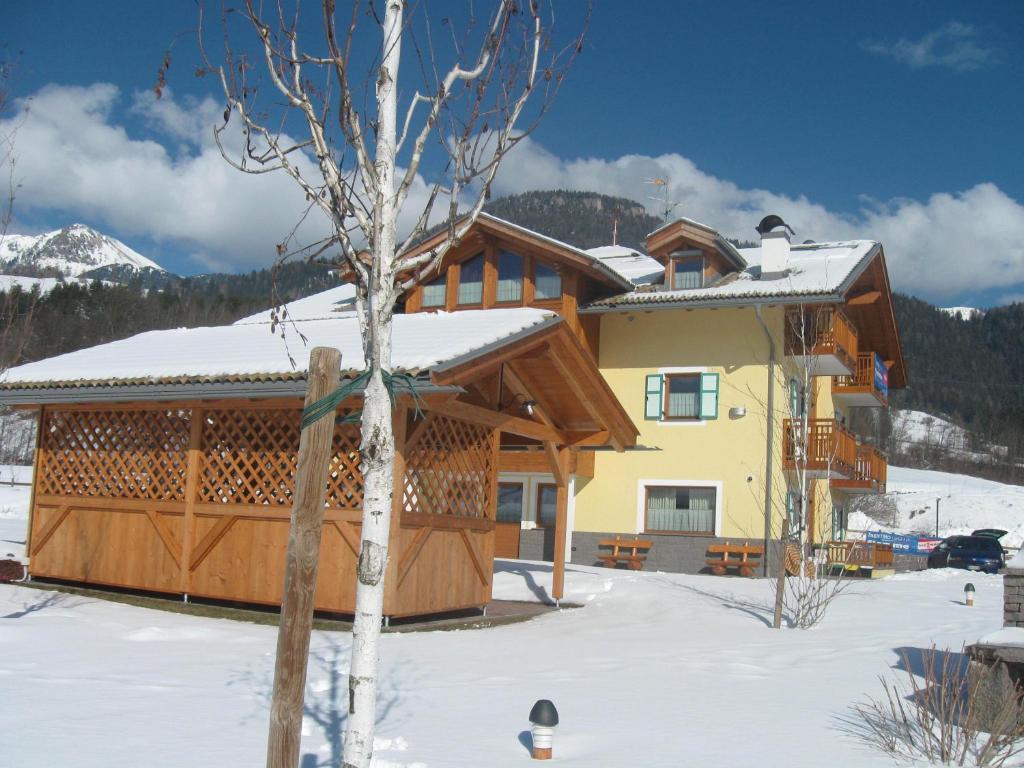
{"x":969,"y":594}
{"x":543,"y":719}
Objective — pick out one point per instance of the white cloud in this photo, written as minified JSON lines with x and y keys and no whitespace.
{"x":74,"y":158}
{"x":75,"y":161}
{"x":954,"y":45}
{"x":941,"y":247}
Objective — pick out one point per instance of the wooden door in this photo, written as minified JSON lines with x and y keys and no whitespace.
{"x":509,"y":520}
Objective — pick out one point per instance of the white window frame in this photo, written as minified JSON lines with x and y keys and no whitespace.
{"x":641,"y":501}
{"x":530,"y":481}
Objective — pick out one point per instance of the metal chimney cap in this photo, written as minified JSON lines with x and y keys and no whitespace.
{"x":544,"y":713}
{"x":770,"y":222}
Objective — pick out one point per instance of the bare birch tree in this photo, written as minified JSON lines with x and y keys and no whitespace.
{"x":368,"y":152}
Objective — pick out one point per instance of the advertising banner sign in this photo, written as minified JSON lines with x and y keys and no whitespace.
{"x":881,"y":377}
{"x":904,"y":545}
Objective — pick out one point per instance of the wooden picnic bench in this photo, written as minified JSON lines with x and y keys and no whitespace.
{"x":741,"y":556}
{"x":624,"y":551}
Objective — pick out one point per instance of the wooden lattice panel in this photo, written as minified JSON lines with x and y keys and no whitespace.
{"x":448,"y":470}
{"x":250,"y":457}
{"x":138,"y":454}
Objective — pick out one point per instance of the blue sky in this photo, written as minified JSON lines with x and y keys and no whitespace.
{"x":899,"y":121}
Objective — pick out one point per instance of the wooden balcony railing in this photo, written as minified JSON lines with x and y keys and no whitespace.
{"x":869,"y":474}
{"x":821,"y":332}
{"x":853,"y":555}
{"x":869,"y":384}
{"x":830,"y":449}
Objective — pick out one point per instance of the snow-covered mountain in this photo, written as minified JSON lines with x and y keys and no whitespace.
{"x":964,"y":313}
{"x":71,"y":251}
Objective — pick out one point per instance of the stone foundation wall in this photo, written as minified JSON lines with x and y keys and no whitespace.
{"x":1013,"y":597}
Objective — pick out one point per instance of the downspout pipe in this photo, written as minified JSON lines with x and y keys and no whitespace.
{"x":769,"y":441}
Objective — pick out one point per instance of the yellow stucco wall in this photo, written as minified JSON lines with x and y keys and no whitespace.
{"x":726,"y":451}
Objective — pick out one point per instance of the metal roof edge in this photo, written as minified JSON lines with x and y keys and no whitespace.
{"x":234,"y":390}
{"x":825,"y":298}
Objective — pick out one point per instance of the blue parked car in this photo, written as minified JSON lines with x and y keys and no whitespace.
{"x":978,"y":552}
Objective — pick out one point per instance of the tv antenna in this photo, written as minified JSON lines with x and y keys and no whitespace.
{"x":668,"y":204}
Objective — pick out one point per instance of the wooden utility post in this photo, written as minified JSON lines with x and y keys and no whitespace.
{"x":561,"y":522}
{"x":315,"y":444}
{"x":780,"y":579}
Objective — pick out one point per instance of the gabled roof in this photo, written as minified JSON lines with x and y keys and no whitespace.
{"x":492,"y":225}
{"x":819,"y":271}
{"x":330,"y":303}
{"x":250,"y":352}
{"x":696,"y":232}
{"x":637,"y":267}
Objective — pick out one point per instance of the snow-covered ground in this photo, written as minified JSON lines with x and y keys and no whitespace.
{"x":14,"y":501}
{"x":654,"y":670}
{"x":965,"y":504}
{"x":917,"y":428}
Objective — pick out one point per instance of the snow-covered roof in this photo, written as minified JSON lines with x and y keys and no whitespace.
{"x":330,"y":303}
{"x":816,"y":269}
{"x":637,"y":267}
{"x":251,"y":352}
{"x":597,"y":263}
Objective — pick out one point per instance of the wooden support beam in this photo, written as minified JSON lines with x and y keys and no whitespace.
{"x":559,"y":472}
{"x":50,"y":528}
{"x":501,"y":421}
{"x":561,"y":526}
{"x":165,"y":536}
{"x":315,"y":445}
{"x":197,"y":418}
{"x":587,"y":398}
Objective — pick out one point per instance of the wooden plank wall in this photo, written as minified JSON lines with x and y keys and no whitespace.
{"x":197,"y":501}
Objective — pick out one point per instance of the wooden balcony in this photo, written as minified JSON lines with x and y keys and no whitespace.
{"x":869,"y":474}
{"x":822,"y":339}
{"x":831,"y":450}
{"x":867,"y":387}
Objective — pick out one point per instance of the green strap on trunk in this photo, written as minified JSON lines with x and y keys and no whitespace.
{"x":329,"y":403}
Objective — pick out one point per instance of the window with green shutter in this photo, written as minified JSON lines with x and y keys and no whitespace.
{"x":681,"y":396}
{"x":793,"y":511}
{"x":652,"y":397}
{"x":709,"y":395}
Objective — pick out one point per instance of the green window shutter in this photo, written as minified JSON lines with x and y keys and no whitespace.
{"x":794,"y":399}
{"x":792,"y":511}
{"x":709,"y":395}
{"x":653,"y":397}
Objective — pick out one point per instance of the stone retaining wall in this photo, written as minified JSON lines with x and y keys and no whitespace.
{"x":1013,"y":597}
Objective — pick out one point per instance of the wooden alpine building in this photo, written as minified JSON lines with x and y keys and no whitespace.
{"x":166,"y":461}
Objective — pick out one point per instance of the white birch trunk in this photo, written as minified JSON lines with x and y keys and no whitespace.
{"x":378,"y":442}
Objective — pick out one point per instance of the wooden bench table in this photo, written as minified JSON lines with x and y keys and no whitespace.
{"x":624,"y":551}
{"x":740,"y":556}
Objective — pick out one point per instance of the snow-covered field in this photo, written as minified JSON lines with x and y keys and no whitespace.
{"x":655,"y":670}
{"x":966,"y":503}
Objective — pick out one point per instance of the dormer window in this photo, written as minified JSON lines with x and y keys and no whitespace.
{"x":687,"y":270}
{"x":510,"y":278}
{"x":471,"y":281}
{"x":434,"y":292}
{"x":547,"y":284}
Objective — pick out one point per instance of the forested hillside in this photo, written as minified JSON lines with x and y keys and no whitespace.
{"x":969,"y":371}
